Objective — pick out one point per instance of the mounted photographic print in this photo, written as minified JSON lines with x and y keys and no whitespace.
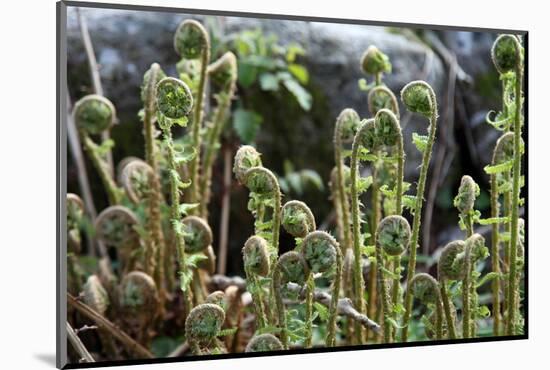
{"x":235,"y":185}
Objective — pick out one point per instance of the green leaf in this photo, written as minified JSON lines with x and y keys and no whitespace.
{"x":246,"y":123}
{"x":303,"y":97}
{"x":363,"y":183}
{"x":394,"y":323}
{"x":268,"y":330}
{"x":104,"y":147}
{"x":182,"y":122}
{"x":184,"y":157}
{"x":269,"y":82}
{"x":292,"y":51}
{"x":247,"y":74}
{"x":227,"y":332}
{"x":488,"y":277}
{"x":186,"y":207}
{"x":300,"y":72}
{"x":499,"y":168}
{"x":322,"y":310}
{"x":192,"y":260}
{"x":492,"y":220}
{"x":420,"y":141}
{"x":186,"y":277}
{"x":368,"y":250}
{"x":312,"y":177}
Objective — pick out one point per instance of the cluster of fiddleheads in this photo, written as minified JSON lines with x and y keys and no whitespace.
{"x":334,"y":288}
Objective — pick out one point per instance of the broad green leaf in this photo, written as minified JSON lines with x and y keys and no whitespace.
{"x":322,"y":310}
{"x":310,"y":176}
{"x":247,"y":74}
{"x":303,"y":97}
{"x":269,"y":82}
{"x":292,"y":51}
{"x":300,"y":72}
{"x":246,"y":123}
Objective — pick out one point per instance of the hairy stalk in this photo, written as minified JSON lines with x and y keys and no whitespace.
{"x":174,"y":102}
{"x":374,"y":278}
{"x":466,"y":301}
{"x":420,"y":98}
{"x":451,"y":327}
{"x":346,"y":126}
{"x":495,"y":253}
{"x":333,"y":309}
{"x":507,"y":56}
{"x":224,"y":73}
{"x":308,"y":329}
{"x":298,"y":221}
{"x":150,"y":80}
{"x":502,"y":152}
{"x":335,"y":197}
{"x":474,"y":250}
{"x":359,"y":284}
{"x":388,"y":132}
{"x":191,"y":41}
{"x":375,"y":63}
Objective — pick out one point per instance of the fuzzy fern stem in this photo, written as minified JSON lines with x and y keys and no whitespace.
{"x":358,"y":282}
{"x":174,"y":102}
{"x":225,"y":71}
{"x":419,"y":97}
{"x":148,"y":95}
{"x":192,"y":41}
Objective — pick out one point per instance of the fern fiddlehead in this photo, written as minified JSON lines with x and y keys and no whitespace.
{"x":116,"y":226}
{"x":150,"y":81}
{"x":256,"y":263}
{"x":174,"y":103}
{"x":94,"y":114}
{"x":418,"y":97}
{"x":203,"y":325}
{"x":290,"y":267}
{"x":507,"y":54}
{"x":138,"y":304}
{"x":322,"y":254}
{"x":192,"y":41}
{"x":426,"y":289}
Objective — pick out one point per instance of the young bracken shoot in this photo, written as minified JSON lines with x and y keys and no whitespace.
{"x":324,"y":290}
